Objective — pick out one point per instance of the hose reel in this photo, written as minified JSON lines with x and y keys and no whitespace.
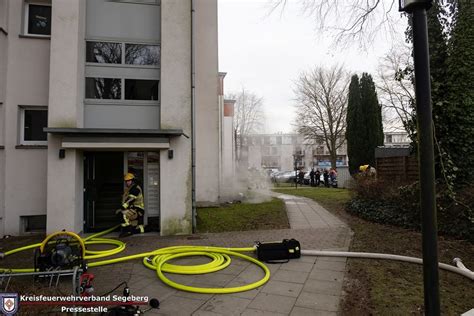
{"x":61,"y":250}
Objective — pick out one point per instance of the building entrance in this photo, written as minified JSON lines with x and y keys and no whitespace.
{"x":103,"y":181}
{"x":103,"y":186}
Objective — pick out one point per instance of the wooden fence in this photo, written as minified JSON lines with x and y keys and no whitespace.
{"x":399,"y":169}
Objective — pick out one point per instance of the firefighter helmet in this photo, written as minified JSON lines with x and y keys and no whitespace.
{"x":128,"y":176}
{"x":363,"y":168}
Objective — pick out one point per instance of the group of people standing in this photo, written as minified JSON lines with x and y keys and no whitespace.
{"x":329,"y":177}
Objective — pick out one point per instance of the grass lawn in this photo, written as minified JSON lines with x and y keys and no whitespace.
{"x":382,"y":287}
{"x":242,"y":217}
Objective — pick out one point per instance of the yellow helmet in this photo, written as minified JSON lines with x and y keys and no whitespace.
{"x":128,"y":176}
{"x":363,"y":168}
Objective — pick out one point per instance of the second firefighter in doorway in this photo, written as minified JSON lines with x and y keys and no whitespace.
{"x":132,"y":210}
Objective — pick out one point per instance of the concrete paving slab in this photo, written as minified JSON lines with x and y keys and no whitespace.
{"x":316,"y":301}
{"x":297,"y":265}
{"x":326,"y":275}
{"x":176,"y":305}
{"x":301,"y":311}
{"x":282,"y":288}
{"x":290,"y":276}
{"x":256,"y":312}
{"x":330,"y":265}
{"x":323,"y":287}
{"x":273,"y":303}
{"x":225,"y":305}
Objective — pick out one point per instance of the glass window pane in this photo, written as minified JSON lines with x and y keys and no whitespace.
{"x":103,"y":88}
{"x":35,"y":121}
{"x":104,"y":53}
{"x":137,"y":54}
{"x":39,"y":19}
{"x":141,"y":89}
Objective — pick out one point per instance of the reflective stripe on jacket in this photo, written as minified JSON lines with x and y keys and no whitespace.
{"x":133,"y":197}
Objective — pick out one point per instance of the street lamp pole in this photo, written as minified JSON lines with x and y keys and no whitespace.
{"x":418,"y":9}
{"x":295,"y":161}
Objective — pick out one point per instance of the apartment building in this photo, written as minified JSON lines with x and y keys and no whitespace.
{"x":282,"y":151}
{"x":92,"y":89}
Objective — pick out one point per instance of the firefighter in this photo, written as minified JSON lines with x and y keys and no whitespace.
{"x":367,"y":170}
{"x":132,"y":210}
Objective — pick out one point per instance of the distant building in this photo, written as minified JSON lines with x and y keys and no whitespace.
{"x":278,"y":151}
{"x":396,"y":139}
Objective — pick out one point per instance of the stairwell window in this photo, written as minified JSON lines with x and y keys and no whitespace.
{"x":37,"y":19}
{"x":140,"y":54}
{"x":103,"y":88}
{"x":136,"y":89}
{"x":104,"y":52}
{"x":32,"y":122}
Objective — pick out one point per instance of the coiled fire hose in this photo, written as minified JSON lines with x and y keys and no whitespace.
{"x":157,"y":260}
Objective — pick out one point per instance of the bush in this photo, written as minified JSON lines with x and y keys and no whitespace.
{"x":398,"y":204}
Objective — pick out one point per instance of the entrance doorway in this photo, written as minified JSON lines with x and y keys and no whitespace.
{"x":103,"y":186}
{"x":103,"y":181}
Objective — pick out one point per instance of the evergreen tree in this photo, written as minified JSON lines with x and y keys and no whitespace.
{"x":459,"y":138}
{"x":353,"y":129}
{"x":364,"y":122}
{"x":372,"y":118}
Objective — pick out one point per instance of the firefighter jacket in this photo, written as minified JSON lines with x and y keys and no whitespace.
{"x":133,"y":198}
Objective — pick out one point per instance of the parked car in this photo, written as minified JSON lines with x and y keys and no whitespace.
{"x":283,"y":177}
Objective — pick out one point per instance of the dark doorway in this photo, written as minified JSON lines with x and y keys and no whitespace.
{"x":103,"y":187}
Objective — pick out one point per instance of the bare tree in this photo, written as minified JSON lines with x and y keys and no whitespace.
{"x":395,"y":86}
{"x":351,"y":20}
{"x":248,"y":116}
{"x":321,"y":96}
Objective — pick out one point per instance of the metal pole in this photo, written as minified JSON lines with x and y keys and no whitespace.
{"x":426,"y":162}
{"x":296,"y":170}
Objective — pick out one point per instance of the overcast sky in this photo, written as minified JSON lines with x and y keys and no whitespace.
{"x":265,"y":53}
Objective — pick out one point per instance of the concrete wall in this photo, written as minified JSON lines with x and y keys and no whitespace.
{"x":228,"y":147}
{"x":176,"y":173}
{"x":207,"y":104}
{"x":3,"y":70}
{"x":65,"y":210}
{"x":2,"y":192}
{"x":27,"y":70}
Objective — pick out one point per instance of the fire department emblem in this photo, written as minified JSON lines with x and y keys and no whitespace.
{"x":9,"y":303}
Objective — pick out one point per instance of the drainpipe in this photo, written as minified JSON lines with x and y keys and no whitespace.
{"x":193,"y":122}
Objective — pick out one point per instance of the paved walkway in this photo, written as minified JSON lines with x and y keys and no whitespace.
{"x":305,"y":286}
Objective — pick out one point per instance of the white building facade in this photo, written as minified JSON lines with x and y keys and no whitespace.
{"x":282,"y":151}
{"x":93,"y":89}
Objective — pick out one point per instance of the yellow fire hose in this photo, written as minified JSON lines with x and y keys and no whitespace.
{"x":157,"y":260}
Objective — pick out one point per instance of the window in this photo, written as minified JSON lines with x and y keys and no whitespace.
{"x":33,"y":224}
{"x":286,"y":140}
{"x":103,"y":88}
{"x":103,"y":53}
{"x":138,"y":54}
{"x":38,"y":19}
{"x":141,"y":89}
{"x":32,"y":122}
{"x":111,"y":53}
